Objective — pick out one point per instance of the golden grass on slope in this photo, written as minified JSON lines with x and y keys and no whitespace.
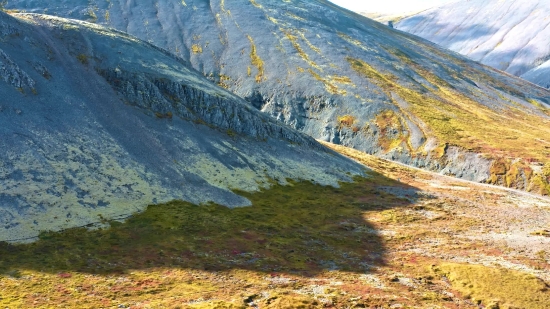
{"x":330,"y":85}
{"x":388,"y":122}
{"x":256,"y":60}
{"x":289,"y":34}
{"x":196,"y":49}
{"x":497,"y":288}
{"x":458,"y":120}
{"x":507,"y":134}
{"x":346,"y":120}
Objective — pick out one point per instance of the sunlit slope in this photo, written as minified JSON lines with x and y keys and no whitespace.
{"x":343,"y":78}
{"x":95,"y":125}
{"x":510,"y":35}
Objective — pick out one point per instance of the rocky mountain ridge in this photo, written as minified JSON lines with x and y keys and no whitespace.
{"x":343,"y":78}
{"x":96,"y":125}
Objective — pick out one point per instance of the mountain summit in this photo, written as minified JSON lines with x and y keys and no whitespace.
{"x":343,"y":78}
{"x":510,"y":35}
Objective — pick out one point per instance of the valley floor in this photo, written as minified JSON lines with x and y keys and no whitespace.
{"x":400,"y":238}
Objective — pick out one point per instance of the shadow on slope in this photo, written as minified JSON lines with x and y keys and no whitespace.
{"x":300,"y":229}
{"x":478,"y":42}
{"x":454,"y":34}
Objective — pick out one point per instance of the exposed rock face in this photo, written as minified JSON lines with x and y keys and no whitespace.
{"x":510,"y":35}
{"x":96,"y":124}
{"x":343,"y":78}
{"x":13,"y":75}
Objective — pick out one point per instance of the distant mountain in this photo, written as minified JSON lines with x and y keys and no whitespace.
{"x":510,"y":35}
{"x":386,"y":18}
{"x":343,"y":78}
{"x":96,"y":125}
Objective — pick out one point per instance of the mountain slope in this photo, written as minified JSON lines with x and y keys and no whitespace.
{"x":510,"y":35}
{"x":96,"y":125}
{"x":343,"y":78}
{"x":425,"y":241}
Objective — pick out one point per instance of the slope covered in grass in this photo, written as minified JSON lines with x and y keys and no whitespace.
{"x":497,"y":288}
{"x":399,"y":238}
{"x":312,"y":64}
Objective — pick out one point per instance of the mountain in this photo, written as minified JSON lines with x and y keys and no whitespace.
{"x":342,"y":78}
{"x":385,"y":18}
{"x":96,"y":125}
{"x":509,"y":35}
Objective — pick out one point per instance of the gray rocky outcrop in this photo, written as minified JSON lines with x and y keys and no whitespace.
{"x":334,"y":75}
{"x":114,"y":124}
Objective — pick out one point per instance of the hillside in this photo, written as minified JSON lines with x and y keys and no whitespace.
{"x":96,"y":125}
{"x":509,"y":35}
{"x":401,"y":238}
{"x":343,"y":78}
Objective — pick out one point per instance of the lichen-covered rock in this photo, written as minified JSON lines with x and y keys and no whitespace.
{"x":116,"y":124}
{"x":13,"y":75}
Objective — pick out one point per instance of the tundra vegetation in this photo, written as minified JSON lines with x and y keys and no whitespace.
{"x":399,"y":237}
{"x":396,"y":237}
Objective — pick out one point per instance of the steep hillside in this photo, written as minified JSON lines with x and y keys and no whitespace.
{"x":510,"y":35}
{"x":97,"y":125}
{"x":343,"y":78}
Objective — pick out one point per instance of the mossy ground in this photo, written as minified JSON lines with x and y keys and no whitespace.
{"x":297,"y":230}
{"x":367,"y":244}
{"x":497,"y":287}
